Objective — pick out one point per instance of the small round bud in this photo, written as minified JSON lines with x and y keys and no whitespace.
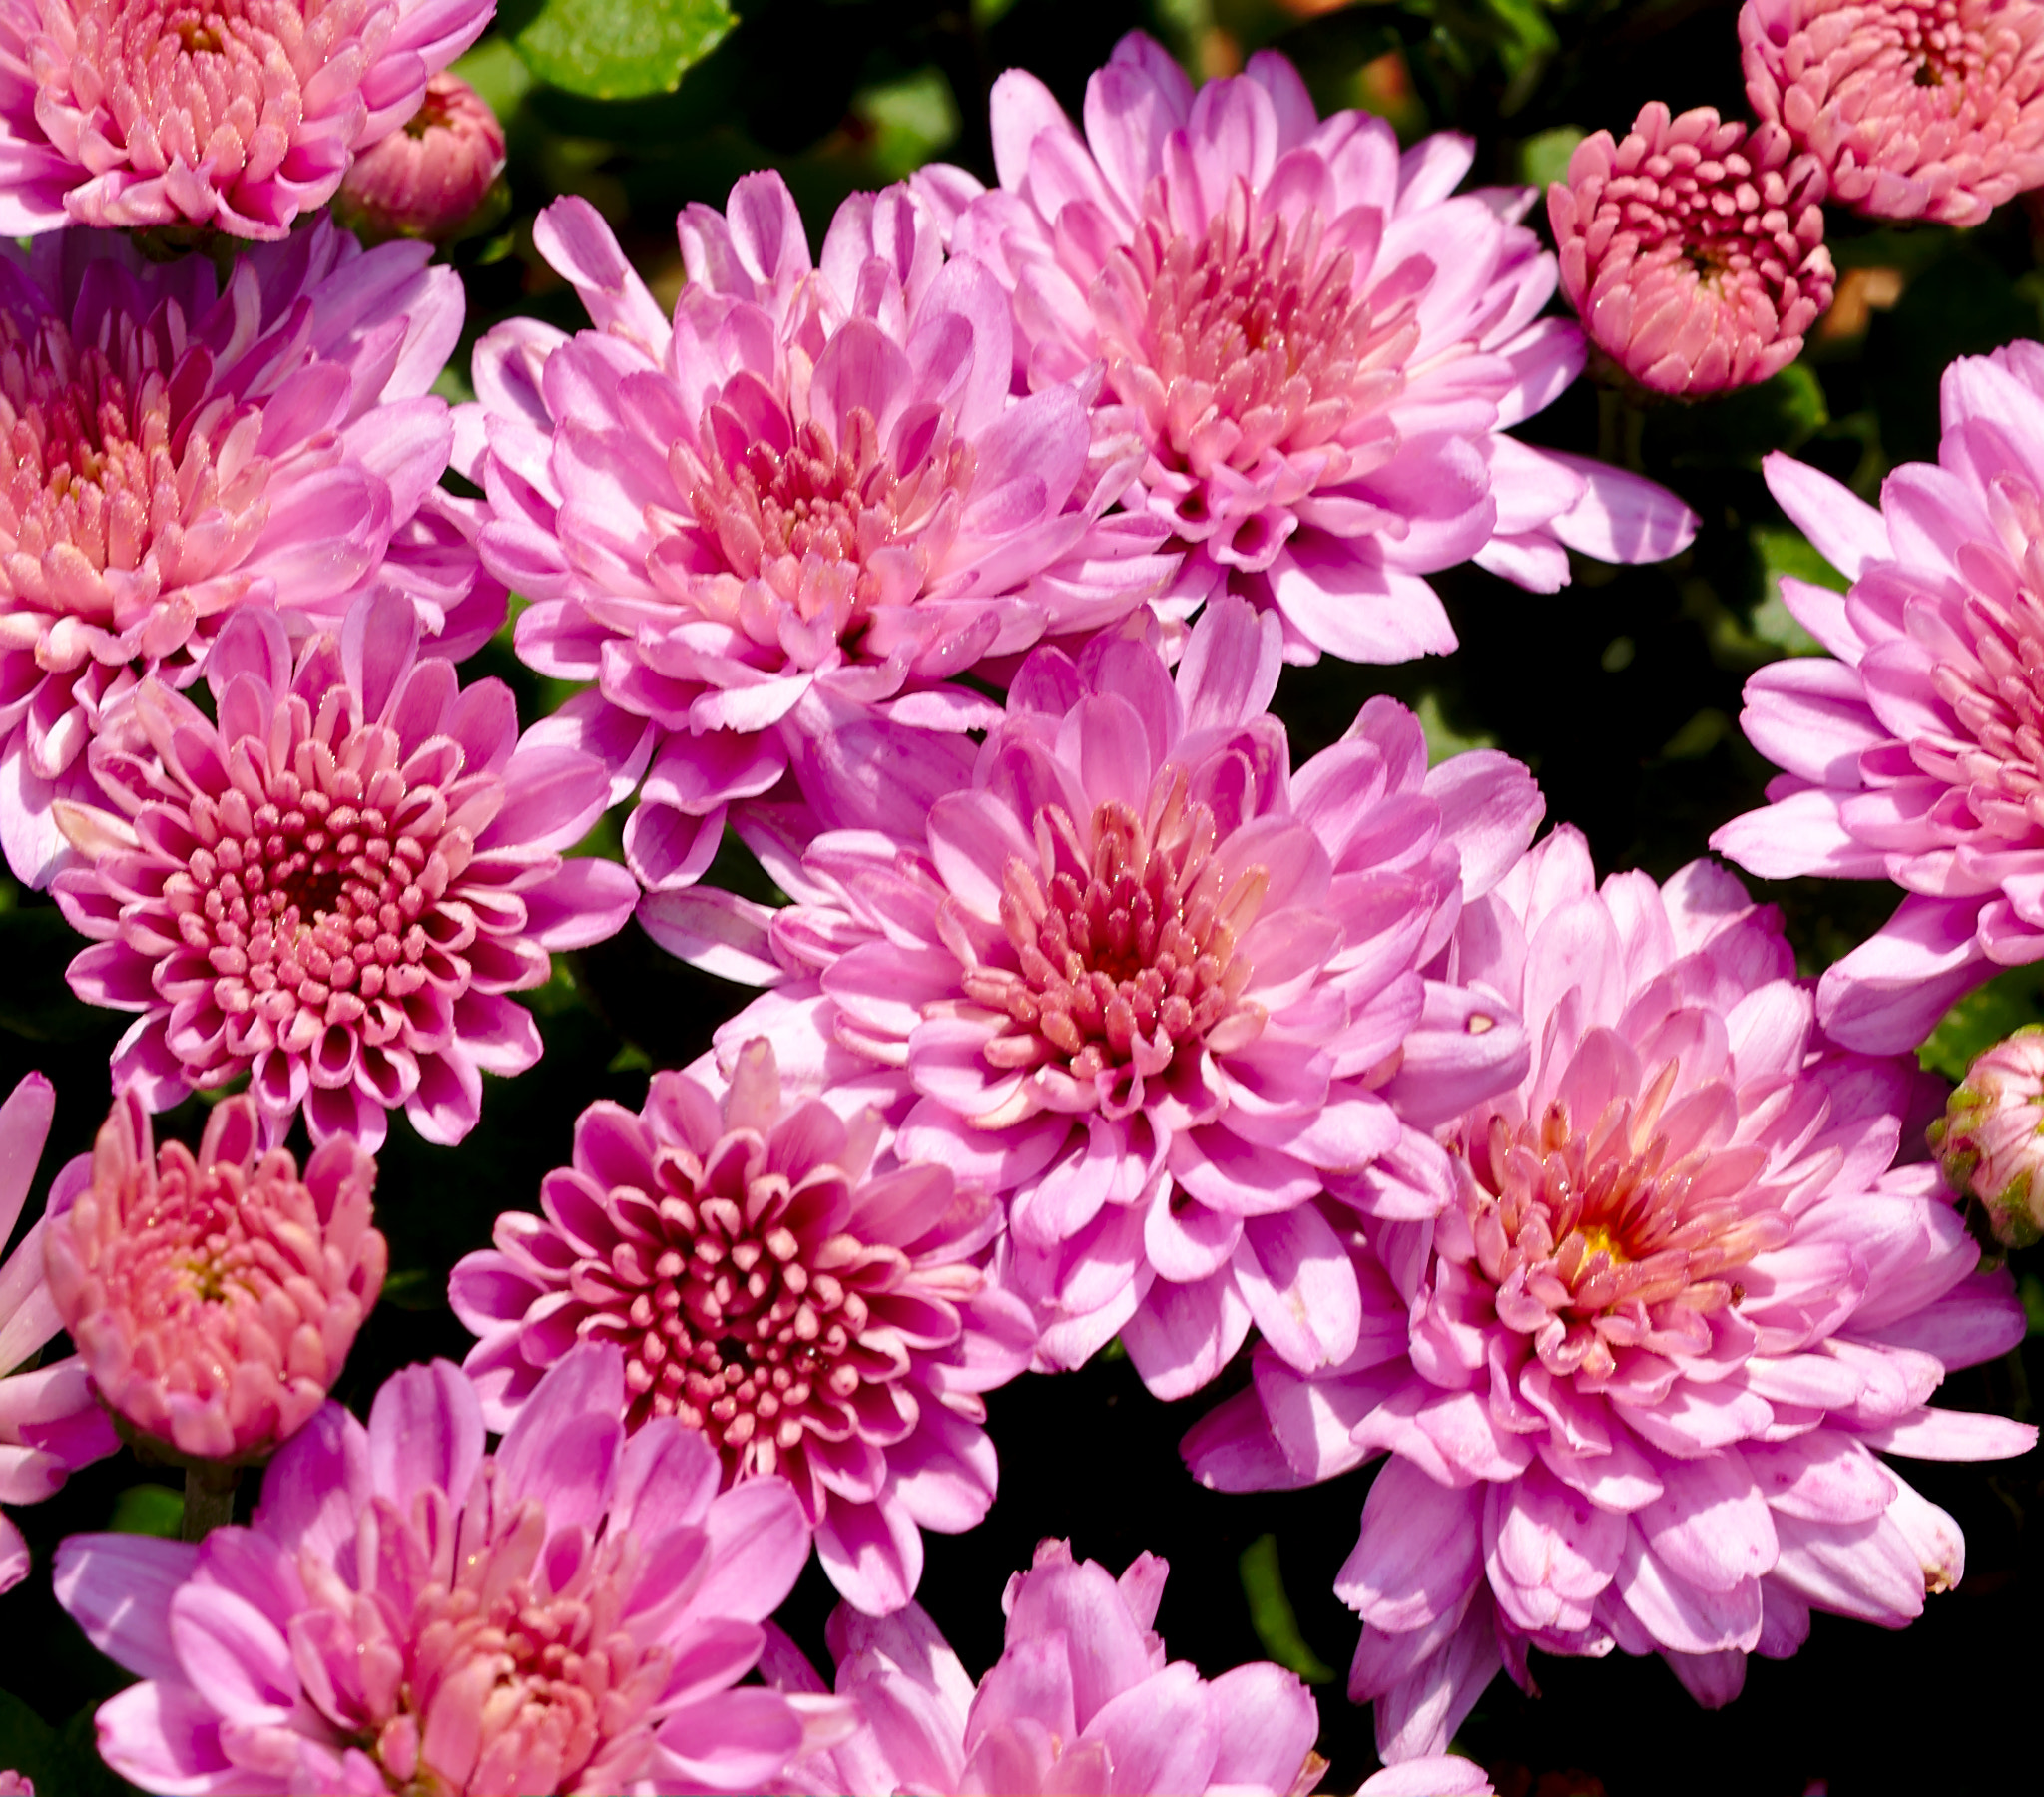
{"x":433,"y":178}
{"x":1990,"y":1140}
{"x":213,"y":1297}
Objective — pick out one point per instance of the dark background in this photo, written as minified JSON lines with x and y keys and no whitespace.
{"x":1622,"y":694}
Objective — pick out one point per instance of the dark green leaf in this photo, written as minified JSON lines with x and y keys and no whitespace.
{"x":148,"y":1509}
{"x":620,"y":49}
{"x":1270,"y":1612}
{"x":1782,"y":413}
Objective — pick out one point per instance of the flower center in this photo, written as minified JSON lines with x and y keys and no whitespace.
{"x":732,"y":1321}
{"x":91,"y":469}
{"x":1124,"y":938}
{"x":193,"y":1250}
{"x":512,"y":1668}
{"x":1997,"y":694}
{"x":829,"y":530}
{"x":1941,"y":44}
{"x":1245,"y":340}
{"x":1598,"y":1241}
{"x":222,"y":81}
{"x":316,"y":904}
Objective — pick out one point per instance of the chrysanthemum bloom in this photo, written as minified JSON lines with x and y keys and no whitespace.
{"x":1915,"y":756}
{"x":811,"y":494}
{"x":214,"y":1300}
{"x":407,"y":1613}
{"x":234,"y":114}
{"x":176,"y":451}
{"x":1915,"y":108}
{"x":49,"y":1424}
{"x":1155,"y":988}
{"x":12,"y":1784}
{"x":333,"y":887}
{"x":1990,"y":1140}
{"x":1693,"y":250}
{"x":1319,"y":347}
{"x":428,"y":180}
{"x":811,"y":1317}
{"x":1637,"y":1377}
{"x":1081,"y":1699}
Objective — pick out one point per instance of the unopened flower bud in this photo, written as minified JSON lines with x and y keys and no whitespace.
{"x":1693,"y":249}
{"x":1990,"y":1140}
{"x":430,"y":179}
{"x":214,"y":1298}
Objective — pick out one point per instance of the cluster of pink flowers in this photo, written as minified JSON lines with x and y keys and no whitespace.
{"x":954,"y":572}
{"x":1693,"y":248}
{"x":238,"y":115}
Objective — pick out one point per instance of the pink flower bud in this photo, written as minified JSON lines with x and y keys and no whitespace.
{"x":428,"y":180}
{"x":1990,"y":1140}
{"x":12,"y":1784}
{"x":214,"y":1300}
{"x":1691,"y":250}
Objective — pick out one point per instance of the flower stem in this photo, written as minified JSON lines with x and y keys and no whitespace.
{"x":209,"y":1500}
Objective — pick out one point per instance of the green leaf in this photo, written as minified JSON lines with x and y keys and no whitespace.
{"x":1782,"y":413}
{"x":1782,"y":551}
{"x":1544,"y":158}
{"x":912,"y":120}
{"x":148,"y":1509}
{"x":497,"y":72}
{"x":1981,"y":1019}
{"x":1271,"y":1616}
{"x":416,"y":1288}
{"x":620,"y":49}
{"x":1442,"y":739}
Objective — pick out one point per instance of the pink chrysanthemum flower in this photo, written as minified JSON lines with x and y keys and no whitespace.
{"x":214,"y":1299}
{"x":333,"y":887}
{"x":49,"y":1424}
{"x":811,"y":494}
{"x":1914,"y":755}
{"x":811,"y":1317}
{"x":1693,"y":250}
{"x":1915,"y":108}
{"x":1081,"y":1699}
{"x":1319,"y":347}
{"x":234,"y":114}
{"x":176,"y":451}
{"x":1637,"y":1377}
{"x":408,"y":1613}
{"x":428,"y":180}
{"x":1154,"y":988}
{"x":12,"y":1784}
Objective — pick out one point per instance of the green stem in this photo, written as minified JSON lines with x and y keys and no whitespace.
{"x":209,"y":1500}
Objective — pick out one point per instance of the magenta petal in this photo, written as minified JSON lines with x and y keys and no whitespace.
{"x":1267,"y":1723}
{"x":119,"y":1589}
{"x":1419,"y":1551}
{"x":425,"y":1431}
{"x":1163,"y":1735}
